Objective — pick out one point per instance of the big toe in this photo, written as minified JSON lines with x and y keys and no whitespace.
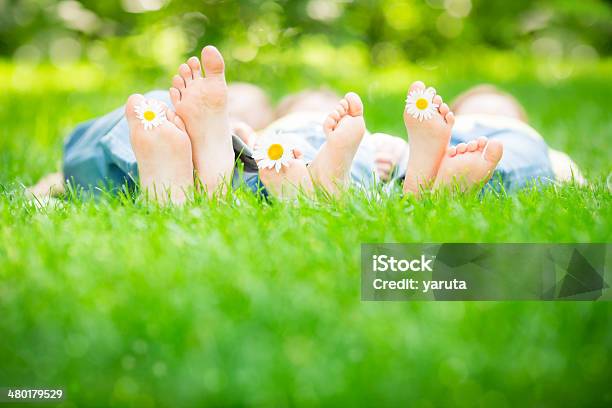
{"x":130,"y":108}
{"x":493,"y":151}
{"x":212,"y":61}
{"x":355,"y":106}
{"x":417,"y":86}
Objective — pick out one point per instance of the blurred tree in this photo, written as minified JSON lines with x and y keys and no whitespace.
{"x":415,"y":29}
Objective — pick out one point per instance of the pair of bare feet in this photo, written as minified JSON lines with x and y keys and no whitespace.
{"x":433,"y":164}
{"x":196,"y":139}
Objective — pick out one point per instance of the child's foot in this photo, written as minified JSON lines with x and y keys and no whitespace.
{"x":428,"y":140}
{"x":202,"y":104}
{"x":469,"y":164}
{"x":290,"y":181}
{"x":163,"y":154}
{"x":50,"y":185}
{"x":344,"y":128}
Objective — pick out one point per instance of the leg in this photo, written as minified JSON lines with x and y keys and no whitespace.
{"x":428,"y":140}
{"x":163,"y":154}
{"x":201,"y":102}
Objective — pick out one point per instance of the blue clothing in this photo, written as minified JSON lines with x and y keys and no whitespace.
{"x":525,"y":159}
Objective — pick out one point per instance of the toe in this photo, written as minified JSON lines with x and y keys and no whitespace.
{"x":482,"y":142}
{"x":493,"y":151}
{"x":170,"y":115}
{"x":335,"y":116}
{"x":175,"y":96}
{"x":355,"y":106}
{"x":437,"y":100}
{"x":345,"y":105}
{"x":196,"y":68}
{"x":297,"y":154}
{"x":130,"y":108}
{"x":329,"y":125}
{"x":213,"y":61}
{"x":452,"y":151}
{"x":461,"y":148}
{"x":179,"y":123}
{"x":185,"y":73}
{"x":444,"y":109}
{"x":417,"y":86}
{"x":472,"y":146}
{"x":178,"y":82}
{"x":450,"y":118}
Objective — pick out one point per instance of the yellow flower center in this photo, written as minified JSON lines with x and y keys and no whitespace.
{"x":149,"y":115}
{"x":275,"y":151}
{"x":422,"y":103}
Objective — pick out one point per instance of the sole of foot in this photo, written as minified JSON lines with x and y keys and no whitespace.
{"x":428,"y":140}
{"x":163,"y":154}
{"x":470,"y":164}
{"x":290,"y":181}
{"x":344,"y":128}
{"x":201,"y":102}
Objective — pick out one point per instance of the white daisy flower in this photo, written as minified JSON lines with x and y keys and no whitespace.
{"x":273,"y":151}
{"x":420,"y":104}
{"x":151,"y":113}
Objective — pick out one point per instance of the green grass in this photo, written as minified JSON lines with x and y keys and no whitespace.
{"x":241,"y":302}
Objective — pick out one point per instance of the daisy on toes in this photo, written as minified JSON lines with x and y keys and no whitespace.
{"x":162,"y":149}
{"x":429,"y":122}
{"x":281,"y":168}
{"x":420,"y":103}
{"x":151,"y":113}
{"x":273,"y":152}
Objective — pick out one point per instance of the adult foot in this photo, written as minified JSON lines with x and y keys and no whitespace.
{"x":201,"y":102}
{"x":163,"y":152}
{"x":289,"y":181}
{"x":469,"y":164}
{"x":344,"y":128}
{"x":428,"y":139}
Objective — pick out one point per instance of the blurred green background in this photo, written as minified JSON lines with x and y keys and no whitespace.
{"x":243,"y":303}
{"x":379,"y":32}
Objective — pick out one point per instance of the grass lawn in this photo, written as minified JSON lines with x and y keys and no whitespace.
{"x":242,"y":302}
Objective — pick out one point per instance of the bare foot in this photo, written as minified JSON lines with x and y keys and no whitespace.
{"x":290,"y":180}
{"x":202,"y":104}
{"x":344,"y":128}
{"x":428,"y":140}
{"x":391,"y":152}
{"x":163,"y":153}
{"x":51,"y":185}
{"x":469,"y":164}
